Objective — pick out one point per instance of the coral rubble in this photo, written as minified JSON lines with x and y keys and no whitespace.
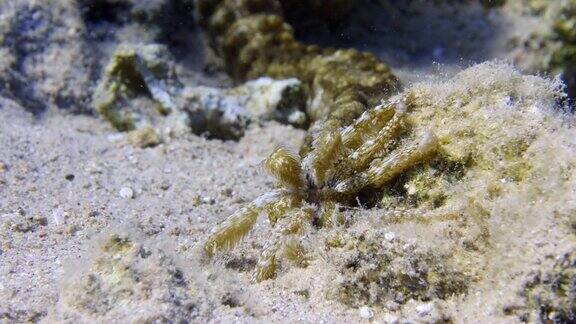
{"x":147,"y":72}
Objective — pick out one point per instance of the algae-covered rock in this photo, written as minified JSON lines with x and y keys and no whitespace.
{"x":136,"y":71}
{"x":144,"y":137}
{"x":551,"y":294}
{"x":125,"y":277}
{"x":44,"y":58}
{"x":376,"y":269}
{"x":488,"y":126}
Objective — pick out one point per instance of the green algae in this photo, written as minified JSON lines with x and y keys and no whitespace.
{"x":136,"y":71}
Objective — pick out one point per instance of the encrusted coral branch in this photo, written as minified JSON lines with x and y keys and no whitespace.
{"x":254,"y":40}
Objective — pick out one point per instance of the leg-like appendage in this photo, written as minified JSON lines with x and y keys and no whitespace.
{"x":234,"y":228}
{"x":367,"y":125}
{"x":285,"y":167}
{"x":268,"y":263}
{"x":277,"y":246}
{"x":383,"y":170}
{"x":283,"y":205}
{"x":380,"y":143}
{"x":327,"y":148}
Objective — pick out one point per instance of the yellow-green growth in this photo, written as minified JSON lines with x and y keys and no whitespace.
{"x":254,"y":40}
{"x":295,"y":252}
{"x":285,"y":167}
{"x":282,"y":205}
{"x":120,"y":77}
{"x":134,"y":71}
{"x":267,"y":264}
{"x":232,"y":230}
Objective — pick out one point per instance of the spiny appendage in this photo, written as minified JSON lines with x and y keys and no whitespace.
{"x":380,"y":143}
{"x":280,"y":245}
{"x":285,"y":167}
{"x":327,"y":148}
{"x":229,"y":233}
{"x":383,"y":170}
{"x":232,"y":230}
{"x":267,"y":263}
{"x":366,"y":125}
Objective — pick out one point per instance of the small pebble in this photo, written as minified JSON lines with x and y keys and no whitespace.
{"x":366,"y":312}
{"x":58,"y":216}
{"x":392,"y":305}
{"x":390,"y":236}
{"x":165,"y":185}
{"x":424,"y":309}
{"x":144,"y":138}
{"x":127,"y":193}
{"x":115,"y":137}
{"x":196,"y":200}
{"x":390,"y":319}
{"x":71,"y":229}
{"x":208,"y":200}
{"x":227,"y":192}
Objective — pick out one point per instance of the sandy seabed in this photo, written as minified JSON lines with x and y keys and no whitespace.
{"x":95,"y":228}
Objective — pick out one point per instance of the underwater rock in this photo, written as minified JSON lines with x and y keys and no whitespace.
{"x":44,"y":59}
{"x":123,"y":277}
{"x":147,"y":71}
{"x":144,"y":137}
{"x":136,"y":70}
{"x":374,"y":271}
{"x":226,"y":113}
{"x":551,"y":295}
